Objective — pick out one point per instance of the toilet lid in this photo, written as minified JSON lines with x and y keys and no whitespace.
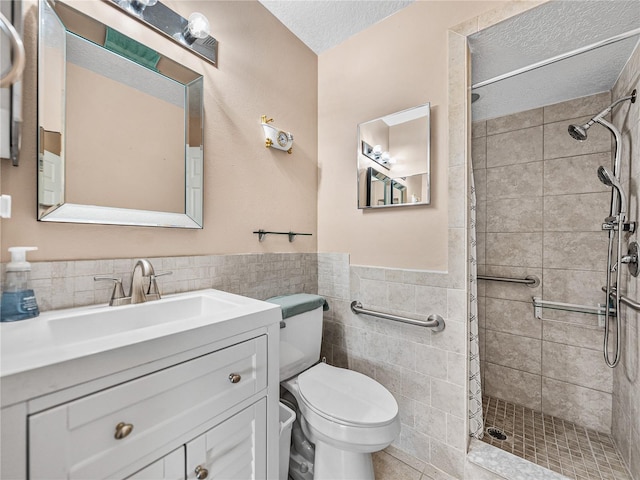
{"x":348,"y":396}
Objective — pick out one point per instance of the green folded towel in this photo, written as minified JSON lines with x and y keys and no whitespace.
{"x":129,"y":48}
{"x":298,"y":303}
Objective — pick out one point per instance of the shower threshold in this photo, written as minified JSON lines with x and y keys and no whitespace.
{"x":559,"y":445}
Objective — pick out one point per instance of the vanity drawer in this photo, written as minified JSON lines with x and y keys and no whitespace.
{"x":78,"y":439}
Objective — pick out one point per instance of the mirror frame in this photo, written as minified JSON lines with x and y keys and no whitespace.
{"x":61,"y":211}
{"x":366,"y":150}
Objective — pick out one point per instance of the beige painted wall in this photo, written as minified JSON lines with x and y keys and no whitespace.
{"x":263,"y":69}
{"x":408,"y":53}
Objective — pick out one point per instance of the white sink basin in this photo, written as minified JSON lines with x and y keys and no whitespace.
{"x":89,"y":325}
{"x":64,"y":335}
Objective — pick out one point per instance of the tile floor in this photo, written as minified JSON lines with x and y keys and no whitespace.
{"x":553,"y":443}
{"x":392,"y":464}
{"x":388,"y":467}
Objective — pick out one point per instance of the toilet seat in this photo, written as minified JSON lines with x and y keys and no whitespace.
{"x":346,"y":397}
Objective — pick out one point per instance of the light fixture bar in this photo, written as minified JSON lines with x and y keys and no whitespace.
{"x":164,"y":20}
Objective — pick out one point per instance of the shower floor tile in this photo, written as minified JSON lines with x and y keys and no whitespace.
{"x":553,"y":443}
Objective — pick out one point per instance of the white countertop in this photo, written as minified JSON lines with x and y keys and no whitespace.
{"x":62,"y":348}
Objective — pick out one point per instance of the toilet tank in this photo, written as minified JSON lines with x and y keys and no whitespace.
{"x":300,"y":341}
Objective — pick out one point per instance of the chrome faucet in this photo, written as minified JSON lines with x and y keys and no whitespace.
{"x":143,"y":268}
{"x":140,"y":291}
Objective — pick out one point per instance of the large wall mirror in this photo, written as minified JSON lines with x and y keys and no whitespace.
{"x":394,"y":159}
{"x":120,"y":127}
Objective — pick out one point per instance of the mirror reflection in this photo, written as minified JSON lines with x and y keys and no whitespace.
{"x":120,"y":128}
{"x":394,"y":159}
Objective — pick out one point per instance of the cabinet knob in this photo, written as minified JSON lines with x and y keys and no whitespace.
{"x":201,"y":472}
{"x":234,"y":377}
{"x":122,"y":430}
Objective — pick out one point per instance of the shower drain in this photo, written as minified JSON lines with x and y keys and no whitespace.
{"x":496,"y":433}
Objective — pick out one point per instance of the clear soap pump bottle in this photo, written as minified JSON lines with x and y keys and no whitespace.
{"x":18,"y":299}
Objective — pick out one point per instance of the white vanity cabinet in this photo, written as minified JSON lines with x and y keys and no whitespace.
{"x":204,"y":412}
{"x":169,"y":467}
{"x":233,"y":449}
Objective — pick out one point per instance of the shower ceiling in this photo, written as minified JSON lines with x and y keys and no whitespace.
{"x":552,"y":29}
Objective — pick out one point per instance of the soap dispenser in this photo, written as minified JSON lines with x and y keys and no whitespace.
{"x":18,"y":299}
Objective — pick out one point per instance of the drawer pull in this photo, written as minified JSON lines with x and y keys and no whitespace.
{"x":201,"y":472}
{"x":234,"y":378}
{"x":122,"y":430}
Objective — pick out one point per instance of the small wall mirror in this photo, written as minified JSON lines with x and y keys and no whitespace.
{"x":120,"y":127}
{"x":394,"y":159}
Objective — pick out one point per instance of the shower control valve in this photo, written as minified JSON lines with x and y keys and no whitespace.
{"x":626,"y":227}
{"x":629,"y":259}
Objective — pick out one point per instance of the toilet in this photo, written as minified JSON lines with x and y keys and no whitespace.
{"x":345,"y":414}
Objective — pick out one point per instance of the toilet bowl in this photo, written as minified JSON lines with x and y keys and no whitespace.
{"x":345,"y":408}
{"x":345,"y":414}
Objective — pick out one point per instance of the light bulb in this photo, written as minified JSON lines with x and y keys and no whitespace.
{"x":198,"y":25}
{"x":138,"y":6}
{"x":377,"y":151}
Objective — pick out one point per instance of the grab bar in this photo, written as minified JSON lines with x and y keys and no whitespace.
{"x":539,"y":304}
{"x":623,"y":299}
{"x":433,"y":321}
{"x":530,"y":280}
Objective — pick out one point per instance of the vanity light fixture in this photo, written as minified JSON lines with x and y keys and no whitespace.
{"x":192,"y":34}
{"x":376,"y":154}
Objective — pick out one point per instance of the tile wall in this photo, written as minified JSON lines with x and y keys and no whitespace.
{"x":540,"y":210}
{"x":71,"y":284}
{"x":626,"y":377}
{"x":425,"y":371}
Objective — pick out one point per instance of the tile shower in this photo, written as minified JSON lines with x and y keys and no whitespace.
{"x":540,"y":210}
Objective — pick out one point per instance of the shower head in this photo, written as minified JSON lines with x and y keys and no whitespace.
{"x":608,"y":178}
{"x":579,"y":132}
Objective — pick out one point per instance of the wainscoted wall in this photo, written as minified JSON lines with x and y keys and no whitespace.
{"x":540,"y":210}
{"x":626,"y":377}
{"x":425,"y":371}
{"x":71,"y":284}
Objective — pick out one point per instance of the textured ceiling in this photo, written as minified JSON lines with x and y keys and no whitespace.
{"x":323,"y":24}
{"x":551,"y":29}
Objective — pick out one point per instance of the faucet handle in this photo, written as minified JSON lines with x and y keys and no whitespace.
{"x":117,"y":295}
{"x":153,"y":291}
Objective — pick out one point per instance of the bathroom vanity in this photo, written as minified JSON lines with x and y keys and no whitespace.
{"x":183,"y":387}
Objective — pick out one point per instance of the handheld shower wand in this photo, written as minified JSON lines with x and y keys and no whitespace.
{"x":606,"y":176}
